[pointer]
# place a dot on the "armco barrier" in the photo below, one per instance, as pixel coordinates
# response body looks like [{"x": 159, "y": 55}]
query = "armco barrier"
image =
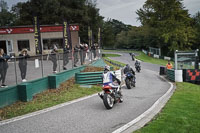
[
  {"x": 171, "y": 74},
  {"x": 156, "y": 56},
  {"x": 113, "y": 63},
  {"x": 89, "y": 78},
  {"x": 26, "y": 91},
  {"x": 8, "y": 96}
]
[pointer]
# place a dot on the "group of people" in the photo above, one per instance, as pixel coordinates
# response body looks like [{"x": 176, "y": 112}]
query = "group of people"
[
  {"x": 4, "y": 65},
  {"x": 80, "y": 50},
  {"x": 83, "y": 50}
]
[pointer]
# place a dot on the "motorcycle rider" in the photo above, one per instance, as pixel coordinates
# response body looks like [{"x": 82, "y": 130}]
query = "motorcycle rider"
[
  {"x": 137, "y": 63},
  {"x": 128, "y": 69},
  {"x": 108, "y": 79}
]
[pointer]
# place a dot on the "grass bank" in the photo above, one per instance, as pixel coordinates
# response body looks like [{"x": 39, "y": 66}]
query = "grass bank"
[
  {"x": 126, "y": 51},
  {"x": 66, "y": 92},
  {"x": 145, "y": 58},
  {"x": 181, "y": 113},
  {"x": 106, "y": 56}
]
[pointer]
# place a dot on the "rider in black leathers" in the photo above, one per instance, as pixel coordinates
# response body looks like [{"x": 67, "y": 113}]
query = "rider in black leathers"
[{"x": 128, "y": 69}]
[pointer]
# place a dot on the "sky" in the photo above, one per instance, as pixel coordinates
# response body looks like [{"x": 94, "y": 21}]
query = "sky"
[{"x": 124, "y": 10}]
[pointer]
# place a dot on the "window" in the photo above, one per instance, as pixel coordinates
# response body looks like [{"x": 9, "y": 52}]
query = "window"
[
  {"x": 49, "y": 43},
  {"x": 23, "y": 44}
]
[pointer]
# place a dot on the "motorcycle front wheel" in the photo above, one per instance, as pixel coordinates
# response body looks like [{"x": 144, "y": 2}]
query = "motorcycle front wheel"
[
  {"x": 108, "y": 101},
  {"x": 128, "y": 83}
]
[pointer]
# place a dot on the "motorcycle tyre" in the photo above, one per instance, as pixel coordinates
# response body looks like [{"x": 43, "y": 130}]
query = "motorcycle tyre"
[
  {"x": 106, "y": 102},
  {"x": 128, "y": 85}
]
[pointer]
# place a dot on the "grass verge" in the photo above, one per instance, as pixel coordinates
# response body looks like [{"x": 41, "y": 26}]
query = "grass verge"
[
  {"x": 181, "y": 113},
  {"x": 126, "y": 51},
  {"x": 66, "y": 92},
  {"x": 145, "y": 58}
]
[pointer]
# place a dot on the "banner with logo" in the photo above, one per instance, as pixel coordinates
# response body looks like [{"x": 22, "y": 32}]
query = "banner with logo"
[
  {"x": 66, "y": 35},
  {"x": 37, "y": 36}
]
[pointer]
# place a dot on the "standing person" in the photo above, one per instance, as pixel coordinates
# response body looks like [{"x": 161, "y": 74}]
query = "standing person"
[
  {"x": 85, "y": 49},
  {"x": 169, "y": 65},
  {"x": 3, "y": 67},
  {"x": 93, "y": 48},
  {"x": 66, "y": 57},
  {"x": 53, "y": 58},
  {"x": 23, "y": 64},
  {"x": 81, "y": 53},
  {"x": 76, "y": 49}
]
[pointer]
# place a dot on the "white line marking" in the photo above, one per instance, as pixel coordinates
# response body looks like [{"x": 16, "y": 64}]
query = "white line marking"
[
  {"x": 123, "y": 128},
  {"x": 44, "y": 110}
]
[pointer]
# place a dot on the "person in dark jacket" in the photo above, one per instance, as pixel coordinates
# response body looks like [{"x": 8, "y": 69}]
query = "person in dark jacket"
[
  {"x": 23, "y": 63},
  {"x": 53, "y": 58},
  {"x": 76, "y": 50},
  {"x": 3, "y": 66},
  {"x": 81, "y": 54},
  {"x": 93, "y": 49},
  {"x": 66, "y": 54},
  {"x": 128, "y": 69}
]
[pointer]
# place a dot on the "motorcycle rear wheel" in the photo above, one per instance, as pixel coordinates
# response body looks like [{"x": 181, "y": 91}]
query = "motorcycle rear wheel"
[{"x": 108, "y": 101}]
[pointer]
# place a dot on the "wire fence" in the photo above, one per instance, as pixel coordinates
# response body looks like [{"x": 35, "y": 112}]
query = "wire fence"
[{"x": 25, "y": 68}]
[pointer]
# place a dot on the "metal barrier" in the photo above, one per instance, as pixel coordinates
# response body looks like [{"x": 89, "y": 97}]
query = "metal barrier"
[
  {"x": 171, "y": 74},
  {"x": 89, "y": 78},
  {"x": 21, "y": 69},
  {"x": 113, "y": 63}
]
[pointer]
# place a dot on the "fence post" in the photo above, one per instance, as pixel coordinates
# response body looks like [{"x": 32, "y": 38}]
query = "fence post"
[
  {"x": 42, "y": 65},
  {"x": 58, "y": 55},
  {"x": 15, "y": 70}
]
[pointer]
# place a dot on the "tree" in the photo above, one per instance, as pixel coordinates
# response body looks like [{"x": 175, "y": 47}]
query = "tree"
[
  {"x": 111, "y": 29},
  {"x": 82, "y": 12},
  {"x": 196, "y": 20},
  {"x": 170, "y": 22},
  {"x": 7, "y": 18}
]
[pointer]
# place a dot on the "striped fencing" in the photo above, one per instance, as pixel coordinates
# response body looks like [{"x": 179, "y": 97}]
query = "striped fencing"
[
  {"x": 171, "y": 74},
  {"x": 89, "y": 78}
]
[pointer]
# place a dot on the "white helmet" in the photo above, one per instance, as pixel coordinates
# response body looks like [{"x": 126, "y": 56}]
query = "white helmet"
[{"x": 107, "y": 68}]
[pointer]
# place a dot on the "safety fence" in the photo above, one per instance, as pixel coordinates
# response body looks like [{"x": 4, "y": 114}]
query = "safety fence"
[
  {"x": 89, "y": 78},
  {"x": 27, "y": 68},
  {"x": 25, "y": 91},
  {"x": 170, "y": 74},
  {"x": 113, "y": 63}
]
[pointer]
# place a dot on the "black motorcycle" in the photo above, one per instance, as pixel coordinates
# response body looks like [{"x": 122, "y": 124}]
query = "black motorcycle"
[
  {"x": 138, "y": 68},
  {"x": 130, "y": 80}
]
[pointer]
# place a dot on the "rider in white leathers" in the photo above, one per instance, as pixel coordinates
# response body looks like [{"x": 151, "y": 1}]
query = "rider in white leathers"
[{"x": 108, "y": 79}]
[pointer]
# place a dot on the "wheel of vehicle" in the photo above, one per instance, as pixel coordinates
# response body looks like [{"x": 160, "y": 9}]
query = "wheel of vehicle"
[
  {"x": 128, "y": 83},
  {"x": 108, "y": 101},
  {"x": 133, "y": 83}
]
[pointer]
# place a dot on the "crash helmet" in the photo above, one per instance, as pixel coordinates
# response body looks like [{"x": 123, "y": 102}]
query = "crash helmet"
[{"x": 107, "y": 68}]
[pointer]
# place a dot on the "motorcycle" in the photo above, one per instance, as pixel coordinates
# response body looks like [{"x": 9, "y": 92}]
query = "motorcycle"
[
  {"x": 138, "y": 68},
  {"x": 110, "y": 96},
  {"x": 132, "y": 56},
  {"x": 130, "y": 80}
]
